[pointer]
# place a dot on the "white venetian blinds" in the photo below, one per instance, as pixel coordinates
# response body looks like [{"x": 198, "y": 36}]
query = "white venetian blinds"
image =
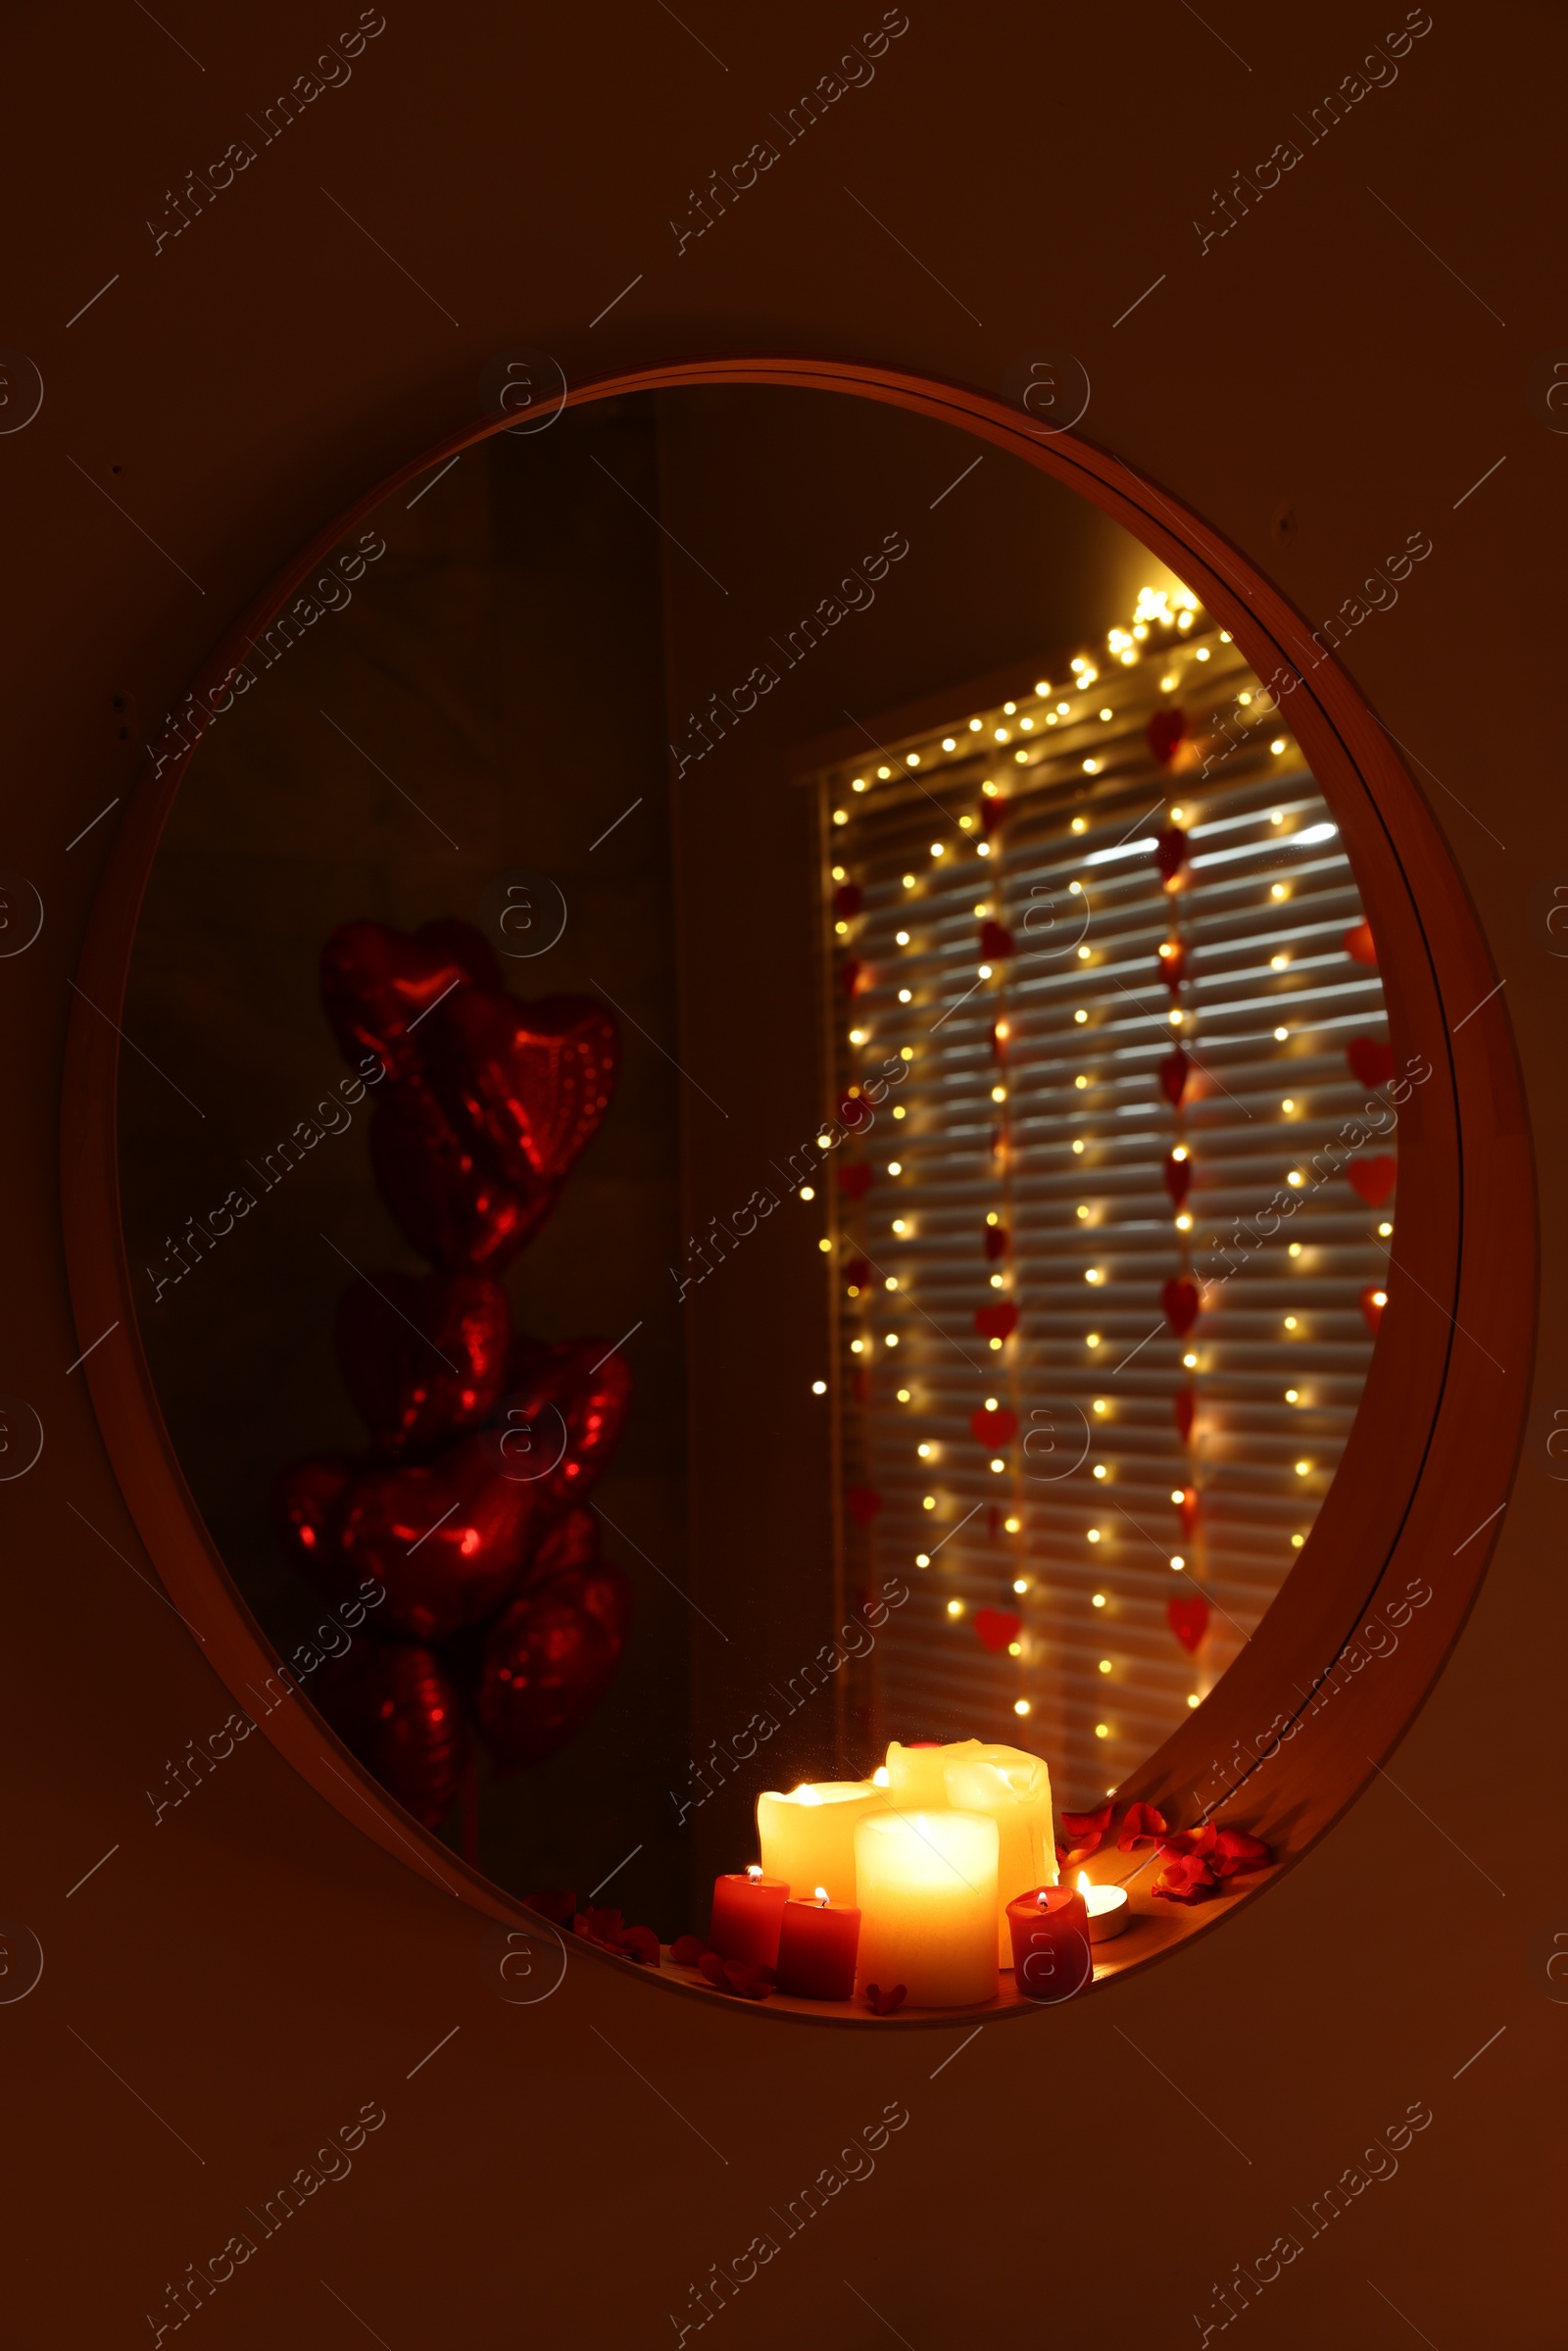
[{"x": 1044, "y": 1613}]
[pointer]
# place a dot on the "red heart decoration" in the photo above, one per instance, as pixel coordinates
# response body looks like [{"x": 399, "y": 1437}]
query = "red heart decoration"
[
  {"x": 1178, "y": 1178},
  {"x": 1166, "y": 729},
  {"x": 376, "y": 983},
  {"x": 398, "y": 1711},
  {"x": 883, "y": 2003},
  {"x": 855, "y": 1178},
  {"x": 447, "y": 1540},
  {"x": 533, "y": 1080},
  {"x": 856, "y": 1274},
  {"x": 995, "y": 1322},
  {"x": 849, "y": 973},
  {"x": 1172, "y": 850},
  {"x": 1374, "y": 1179},
  {"x": 549, "y": 1658},
  {"x": 995, "y": 941},
  {"x": 1174, "y": 1072},
  {"x": 1183, "y": 1406},
  {"x": 846, "y": 901},
  {"x": 422, "y": 1359},
  {"x": 1179, "y": 1301},
  {"x": 996, "y": 1241},
  {"x": 589, "y": 1385},
  {"x": 1189, "y": 1509},
  {"x": 992, "y": 1428},
  {"x": 1188, "y": 1619},
  {"x": 445, "y": 1192},
  {"x": 996, "y": 1628},
  {"x": 1371, "y": 1060},
  {"x": 863, "y": 1503},
  {"x": 1370, "y": 1307},
  {"x": 1359, "y": 945}
]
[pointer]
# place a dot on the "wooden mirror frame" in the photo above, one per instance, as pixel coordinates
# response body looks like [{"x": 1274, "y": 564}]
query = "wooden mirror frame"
[{"x": 1300, "y": 1721}]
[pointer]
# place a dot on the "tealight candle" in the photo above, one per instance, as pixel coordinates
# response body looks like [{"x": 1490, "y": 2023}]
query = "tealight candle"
[
  {"x": 816, "y": 1949},
  {"x": 1014, "y": 1788},
  {"x": 928, "y": 1905},
  {"x": 807, "y": 1837},
  {"x": 1051, "y": 1942},
  {"x": 1107, "y": 1908},
  {"x": 748, "y": 1909}
]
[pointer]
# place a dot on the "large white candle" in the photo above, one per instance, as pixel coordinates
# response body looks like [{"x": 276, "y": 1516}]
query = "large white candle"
[
  {"x": 807, "y": 1837},
  {"x": 919, "y": 1776},
  {"x": 1014, "y": 1789},
  {"x": 927, "y": 1890}
]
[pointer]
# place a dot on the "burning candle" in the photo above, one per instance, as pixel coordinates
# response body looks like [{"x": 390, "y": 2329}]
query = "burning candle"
[
  {"x": 807, "y": 1837},
  {"x": 747, "y": 1911},
  {"x": 816, "y": 1948},
  {"x": 928, "y": 1903},
  {"x": 1107, "y": 1908},
  {"x": 1051, "y": 1942},
  {"x": 1014, "y": 1788}
]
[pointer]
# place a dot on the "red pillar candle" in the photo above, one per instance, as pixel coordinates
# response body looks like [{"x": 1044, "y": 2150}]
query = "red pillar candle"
[
  {"x": 1051, "y": 1943},
  {"x": 817, "y": 1945},
  {"x": 746, "y": 1910}
]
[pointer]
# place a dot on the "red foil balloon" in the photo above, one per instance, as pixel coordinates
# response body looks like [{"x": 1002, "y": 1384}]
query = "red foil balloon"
[
  {"x": 398, "y": 1711},
  {"x": 377, "y": 982},
  {"x": 447, "y": 1540},
  {"x": 422, "y": 1359},
  {"x": 531, "y": 1081},
  {"x": 446, "y": 1191},
  {"x": 549, "y": 1660}
]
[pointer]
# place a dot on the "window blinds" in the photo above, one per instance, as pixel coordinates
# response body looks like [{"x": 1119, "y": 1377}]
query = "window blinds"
[{"x": 1039, "y": 1539}]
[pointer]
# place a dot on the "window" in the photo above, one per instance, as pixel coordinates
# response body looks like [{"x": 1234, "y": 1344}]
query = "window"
[{"x": 1109, "y": 1243}]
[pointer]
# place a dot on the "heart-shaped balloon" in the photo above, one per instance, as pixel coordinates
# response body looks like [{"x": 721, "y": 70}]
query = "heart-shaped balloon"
[
  {"x": 445, "y": 1189},
  {"x": 581, "y": 1387},
  {"x": 378, "y": 984},
  {"x": 1371, "y": 1060},
  {"x": 1179, "y": 1301},
  {"x": 996, "y": 1628},
  {"x": 532, "y": 1080},
  {"x": 447, "y": 1540},
  {"x": 306, "y": 1500},
  {"x": 422, "y": 1358},
  {"x": 549, "y": 1658},
  {"x": 1374, "y": 1179},
  {"x": 396, "y": 1708},
  {"x": 1188, "y": 1619}
]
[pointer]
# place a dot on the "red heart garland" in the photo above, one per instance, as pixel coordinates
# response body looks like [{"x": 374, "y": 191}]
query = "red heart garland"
[
  {"x": 995, "y": 1322},
  {"x": 1372, "y": 1302},
  {"x": 996, "y": 1241},
  {"x": 1188, "y": 1618},
  {"x": 1360, "y": 945},
  {"x": 1173, "y": 963},
  {"x": 549, "y": 1658},
  {"x": 1179, "y": 1300},
  {"x": 1371, "y": 1060},
  {"x": 1174, "y": 1072},
  {"x": 1183, "y": 1406},
  {"x": 397, "y": 1709},
  {"x": 1374, "y": 1179},
  {"x": 849, "y": 973},
  {"x": 855, "y": 1178},
  {"x": 846, "y": 901},
  {"x": 422, "y": 1359},
  {"x": 995, "y": 1628},
  {"x": 1178, "y": 1178},
  {"x": 1164, "y": 731},
  {"x": 1190, "y": 1508},
  {"x": 995, "y": 941},
  {"x": 992, "y": 1428},
  {"x": 863, "y": 1503},
  {"x": 1172, "y": 850}
]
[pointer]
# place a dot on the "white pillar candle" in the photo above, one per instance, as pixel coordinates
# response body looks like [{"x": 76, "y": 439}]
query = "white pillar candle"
[
  {"x": 1014, "y": 1789},
  {"x": 927, "y": 1891},
  {"x": 919, "y": 1776},
  {"x": 807, "y": 1837}
]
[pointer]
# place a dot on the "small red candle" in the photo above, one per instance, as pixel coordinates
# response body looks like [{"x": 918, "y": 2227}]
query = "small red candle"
[
  {"x": 1052, "y": 1957},
  {"x": 746, "y": 1910},
  {"x": 817, "y": 1945}
]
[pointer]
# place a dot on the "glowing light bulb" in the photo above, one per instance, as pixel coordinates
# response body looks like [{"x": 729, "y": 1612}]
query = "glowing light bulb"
[{"x": 819, "y": 1387}]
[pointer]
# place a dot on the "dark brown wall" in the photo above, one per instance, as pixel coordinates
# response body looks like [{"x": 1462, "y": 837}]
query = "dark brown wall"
[{"x": 228, "y": 1985}]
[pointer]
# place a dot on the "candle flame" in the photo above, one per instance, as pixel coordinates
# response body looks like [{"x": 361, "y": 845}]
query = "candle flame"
[
  {"x": 753, "y": 1869},
  {"x": 821, "y": 1896},
  {"x": 1040, "y": 1899},
  {"x": 1083, "y": 1881},
  {"x": 806, "y": 1795}
]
